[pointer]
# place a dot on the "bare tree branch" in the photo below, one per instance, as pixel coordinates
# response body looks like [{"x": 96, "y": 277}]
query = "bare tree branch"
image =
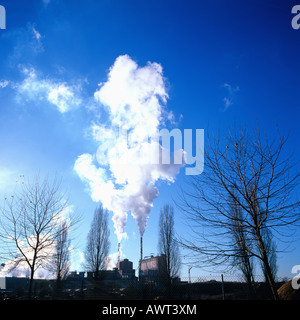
[
  {"x": 260, "y": 179},
  {"x": 30, "y": 224}
]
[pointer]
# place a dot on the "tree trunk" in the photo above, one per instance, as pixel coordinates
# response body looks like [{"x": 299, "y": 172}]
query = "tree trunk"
[
  {"x": 267, "y": 268},
  {"x": 30, "y": 284},
  {"x": 270, "y": 279}
]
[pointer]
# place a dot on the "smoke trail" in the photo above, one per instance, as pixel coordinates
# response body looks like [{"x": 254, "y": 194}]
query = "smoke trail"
[{"x": 124, "y": 179}]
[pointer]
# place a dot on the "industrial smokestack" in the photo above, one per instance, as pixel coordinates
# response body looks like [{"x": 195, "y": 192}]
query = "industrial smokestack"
[
  {"x": 141, "y": 248},
  {"x": 141, "y": 258},
  {"x": 118, "y": 263}
]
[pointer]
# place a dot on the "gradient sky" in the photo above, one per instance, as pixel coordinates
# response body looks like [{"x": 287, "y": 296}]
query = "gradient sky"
[{"x": 223, "y": 62}]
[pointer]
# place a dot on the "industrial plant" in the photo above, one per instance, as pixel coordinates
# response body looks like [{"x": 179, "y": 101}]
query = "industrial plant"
[{"x": 122, "y": 276}]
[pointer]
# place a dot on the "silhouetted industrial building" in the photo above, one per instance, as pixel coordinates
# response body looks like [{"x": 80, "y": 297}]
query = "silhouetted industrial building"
[
  {"x": 124, "y": 271},
  {"x": 13, "y": 283},
  {"x": 121, "y": 276},
  {"x": 153, "y": 269}
]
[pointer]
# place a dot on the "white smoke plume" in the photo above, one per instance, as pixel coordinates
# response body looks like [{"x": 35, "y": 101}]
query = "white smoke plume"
[
  {"x": 20, "y": 268},
  {"x": 120, "y": 174}
]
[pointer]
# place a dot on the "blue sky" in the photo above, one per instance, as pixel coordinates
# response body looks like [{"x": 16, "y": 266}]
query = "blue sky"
[{"x": 222, "y": 62}]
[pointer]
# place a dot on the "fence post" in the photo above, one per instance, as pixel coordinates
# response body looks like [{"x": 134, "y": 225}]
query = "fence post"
[
  {"x": 223, "y": 292},
  {"x": 189, "y": 270}
]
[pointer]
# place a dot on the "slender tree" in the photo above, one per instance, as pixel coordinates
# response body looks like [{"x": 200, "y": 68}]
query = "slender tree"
[
  {"x": 98, "y": 243},
  {"x": 60, "y": 262},
  {"x": 167, "y": 245}
]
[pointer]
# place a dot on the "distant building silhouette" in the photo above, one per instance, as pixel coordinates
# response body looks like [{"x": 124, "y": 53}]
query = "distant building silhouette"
[
  {"x": 12, "y": 283},
  {"x": 124, "y": 271},
  {"x": 153, "y": 269},
  {"x": 76, "y": 275},
  {"x": 122, "y": 275}
]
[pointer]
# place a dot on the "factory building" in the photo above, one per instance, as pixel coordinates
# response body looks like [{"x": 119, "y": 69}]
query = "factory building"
[
  {"x": 153, "y": 269},
  {"x": 123, "y": 271},
  {"x": 126, "y": 269}
]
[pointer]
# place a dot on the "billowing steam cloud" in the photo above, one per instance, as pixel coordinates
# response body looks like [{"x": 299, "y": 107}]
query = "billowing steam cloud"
[{"x": 121, "y": 174}]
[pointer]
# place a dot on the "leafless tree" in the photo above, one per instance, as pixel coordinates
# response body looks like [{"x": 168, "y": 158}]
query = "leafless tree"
[
  {"x": 259, "y": 177},
  {"x": 242, "y": 258},
  {"x": 167, "y": 245},
  {"x": 97, "y": 242},
  {"x": 59, "y": 264},
  {"x": 29, "y": 224}
]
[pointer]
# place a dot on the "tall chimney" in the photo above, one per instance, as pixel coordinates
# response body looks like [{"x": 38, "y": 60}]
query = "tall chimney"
[
  {"x": 118, "y": 264},
  {"x": 141, "y": 249},
  {"x": 141, "y": 258}
]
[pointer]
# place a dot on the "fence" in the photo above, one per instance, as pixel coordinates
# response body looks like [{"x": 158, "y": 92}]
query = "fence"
[{"x": 209, "y": 287}]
